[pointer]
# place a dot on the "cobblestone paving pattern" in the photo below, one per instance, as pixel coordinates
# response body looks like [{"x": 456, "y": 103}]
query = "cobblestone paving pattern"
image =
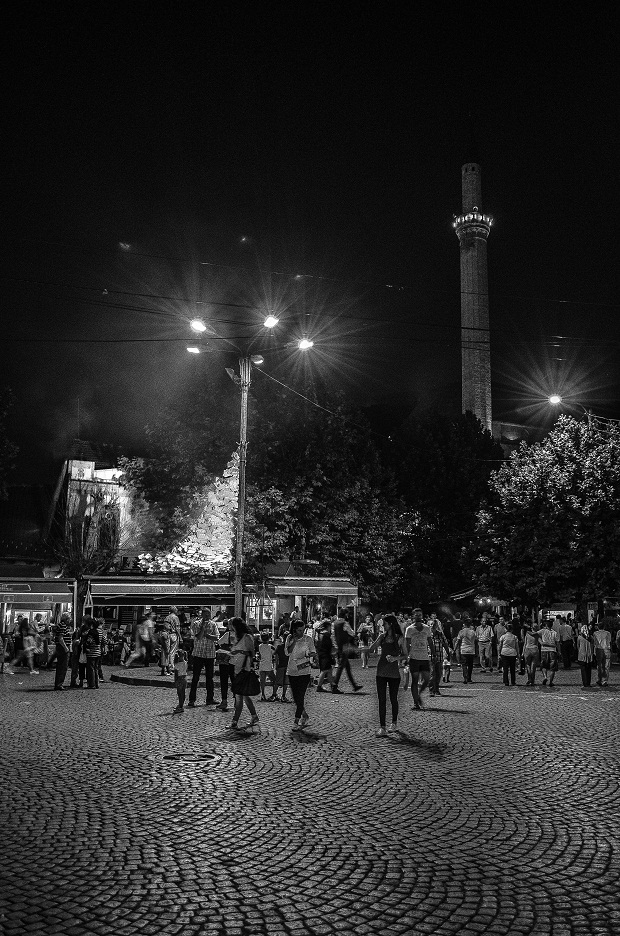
[{"x": 492, "y": 812}]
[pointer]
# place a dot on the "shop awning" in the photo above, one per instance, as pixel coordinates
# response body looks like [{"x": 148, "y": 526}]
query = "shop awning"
[
  {"x": 326, "y": 587},
  {"x": 45, "y": 591},
  {"x": 125, "y": 594}
]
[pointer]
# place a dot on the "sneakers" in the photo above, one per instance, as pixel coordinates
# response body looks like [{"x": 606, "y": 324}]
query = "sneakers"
[
  {"x": 222, "y": 707},
  {"x": 320, "y": 689},
  {"x": 233, "y": 726},
  {"x": 357, "y": 688},
  {"x": 381, "y": 733},
  {"x": 254, "y": 721},
  {"x": 34, "y": 672},
  {"x": 191, "y": 705},
  {"x": 304, "y": 721},
  {"x": 336, "y": 691},
  {"x": 393, "y": 727},
  {"x": 296, "y": 727},
  {"x": 178, "y": 709}
]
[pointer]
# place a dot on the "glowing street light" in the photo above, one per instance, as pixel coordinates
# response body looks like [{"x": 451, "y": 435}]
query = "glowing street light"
[
  {"x": 193, "y": 350},
  {"x": 555, "y": 399},
  {"x": 197, "y": 325},
  {"x": 271, "y": 321},
  {"x": 305, "y": 344}
]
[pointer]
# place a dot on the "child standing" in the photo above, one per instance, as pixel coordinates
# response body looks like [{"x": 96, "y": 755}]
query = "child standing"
[
  {"x": 447, "y": 666},
  {"x": 180, "y": 678},
  {"x": 265, "y": 666}
]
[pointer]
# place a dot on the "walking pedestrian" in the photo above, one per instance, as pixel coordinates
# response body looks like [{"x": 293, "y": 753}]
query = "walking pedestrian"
[
  {"x": 440, "y": 646},
  {"x": 465, "y": 644},
  {"x": 173, "y": 628},
  {"x": 203, "y": 655},
  {"x": 365, "y": 638},
  {"x": 484, "y": 636},
  {"x": 509, "y": 653},
  {"x": 62, "y": 639},
  {"x": 242, "y": 655},
  {"x": 92, "y": 648},
  {"x": 391, "y": 646},
  {"x": 325, "y": 649},
  {"x": 531, "y": 651},
  {"x": 144, "y": 642},
  {"x": 585, "y": 655},
  {"x": 567, "y": 644},
  {"x": 28, "y": 635},
  {"x": 281, "y": 661},
  {"x": 265, "y": 666},
  {"x": 301, "y": 651},
  {"x": 602, "y": 650},
  {"x": 549, "y": 653},
  {"x": 419, "y": 649},
  {"x": 225, "y": 663},
  {"x": 180, "y": 678},
  {"x": 343, "y": 635}
]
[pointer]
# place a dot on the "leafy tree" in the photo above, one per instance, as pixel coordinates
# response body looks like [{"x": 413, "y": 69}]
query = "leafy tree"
[
  {"x": 315, "y": 483},
  {"x": 551, "y": 530},
  {"x": 87, "y": 536},
  {"x": 443, "y": 466},
  {"x": 206, "y": 549}
]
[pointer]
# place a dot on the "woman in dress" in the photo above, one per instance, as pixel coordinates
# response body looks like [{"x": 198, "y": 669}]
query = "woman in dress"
[
  {"x": 391, "y": 646},
  {"x": 241, "y": 656},
  {"x": 301, "y": 652}
]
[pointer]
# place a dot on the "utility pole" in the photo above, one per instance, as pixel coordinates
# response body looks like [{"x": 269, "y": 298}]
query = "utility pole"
[{"x": 245, "y": 366}]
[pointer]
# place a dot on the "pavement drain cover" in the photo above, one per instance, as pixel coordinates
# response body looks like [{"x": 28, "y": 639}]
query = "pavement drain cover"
[{"x": 192, "y": 758}]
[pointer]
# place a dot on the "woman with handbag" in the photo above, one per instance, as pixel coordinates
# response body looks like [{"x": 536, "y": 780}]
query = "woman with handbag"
[
  {"x": 245, "y": 682},
  {"x": 301, "y": 651}
]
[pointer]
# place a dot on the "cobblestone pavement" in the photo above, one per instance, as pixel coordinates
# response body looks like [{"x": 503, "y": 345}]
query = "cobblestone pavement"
[{"x": 492, "y": 812}]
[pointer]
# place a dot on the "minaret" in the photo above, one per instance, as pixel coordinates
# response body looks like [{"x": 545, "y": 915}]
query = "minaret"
[{"x": 472, "y": 228}]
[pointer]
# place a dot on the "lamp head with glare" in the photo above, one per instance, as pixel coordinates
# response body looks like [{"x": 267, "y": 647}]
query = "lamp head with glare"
[
  {"x": 194, "y": 350},
  {"x": 197, "y": 325},
  {"x": 555, "y": 399},
  {"x": 271, "y": 321},
  {"x": 257, "y": 359},
  {"x": 305, "y": 344}
]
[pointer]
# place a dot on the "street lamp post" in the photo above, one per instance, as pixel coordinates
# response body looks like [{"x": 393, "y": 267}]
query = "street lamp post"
[
  {"x": 243, "y": 382},
  {"x": 245, "y": 370}
]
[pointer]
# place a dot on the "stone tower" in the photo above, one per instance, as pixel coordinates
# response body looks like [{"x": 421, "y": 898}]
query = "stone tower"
[{"x": 472, "y": 228}]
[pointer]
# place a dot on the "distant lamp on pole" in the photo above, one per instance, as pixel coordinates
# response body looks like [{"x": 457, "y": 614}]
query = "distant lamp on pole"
[{"x": 555, "y": 399}]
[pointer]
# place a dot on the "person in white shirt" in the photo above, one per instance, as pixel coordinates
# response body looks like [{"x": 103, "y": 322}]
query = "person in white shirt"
[
  {"x": 484, "y": 636},
  {"x": 419, "y": 648},
  {"x": 465, "y": 644},
  {"x": 567, "y": 644},
  {"x": 549, "y": 652},
  {"x": 301, "y": 652},
  {"x": 602, "y": 649}
]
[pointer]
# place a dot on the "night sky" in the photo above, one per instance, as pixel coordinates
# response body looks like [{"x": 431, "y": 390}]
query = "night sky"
[{"x": 169, "y": 160}]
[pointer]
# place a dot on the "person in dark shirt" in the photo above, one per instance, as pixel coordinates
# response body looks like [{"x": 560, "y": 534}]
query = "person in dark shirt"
[{"x": 281, "y": 680}]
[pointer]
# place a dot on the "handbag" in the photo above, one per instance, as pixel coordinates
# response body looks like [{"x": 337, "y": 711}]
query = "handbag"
[
  {"x": 246, "y": 683},
  {"x": 82, "y": 658}
]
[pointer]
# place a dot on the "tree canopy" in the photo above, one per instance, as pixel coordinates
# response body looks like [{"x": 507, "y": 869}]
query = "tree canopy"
[
  {"x": 443, "y": 463},
  {"x": 551, "y": 529}
]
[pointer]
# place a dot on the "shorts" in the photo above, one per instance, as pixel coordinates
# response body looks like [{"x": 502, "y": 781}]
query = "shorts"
[
  {"x": 280, "y": 675},
  {"x": 549, "y": 661},
  {"x": 420, "y": 666}
]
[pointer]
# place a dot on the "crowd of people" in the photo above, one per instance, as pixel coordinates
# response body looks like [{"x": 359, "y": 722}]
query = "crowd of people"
[{"x": 413, "y": 652}]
